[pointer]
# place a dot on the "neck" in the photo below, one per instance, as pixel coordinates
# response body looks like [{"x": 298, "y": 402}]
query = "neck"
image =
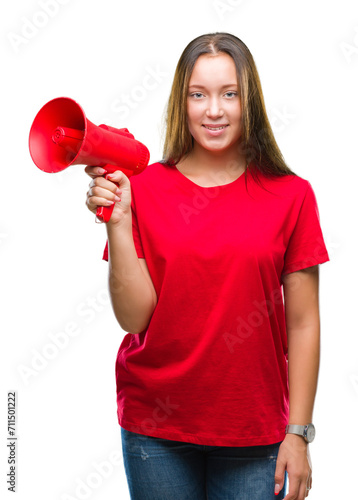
[{"x": 209, "y": 162}]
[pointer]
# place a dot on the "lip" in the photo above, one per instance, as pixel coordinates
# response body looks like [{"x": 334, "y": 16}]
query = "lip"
[{"x": 216, "y": 126}]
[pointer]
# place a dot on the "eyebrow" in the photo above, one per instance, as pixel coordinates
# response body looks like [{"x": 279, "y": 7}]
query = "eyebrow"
[{"x": 223, "y": 87}]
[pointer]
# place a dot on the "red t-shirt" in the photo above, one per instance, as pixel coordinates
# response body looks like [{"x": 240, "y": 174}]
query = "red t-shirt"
[{"x": 211, "y": 367}]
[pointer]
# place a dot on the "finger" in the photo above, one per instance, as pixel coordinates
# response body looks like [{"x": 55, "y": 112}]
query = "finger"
[
  {"x": 308, "y": 486},
  {"x": 104, "y": 192},
  {"x": 294, "y": 489},
  {"x": 117, "y": 176},
  {"x": 279, "y": 476},
  {"x": 107, "y": 199},
  {"x": 102, "y": 183},
  {"x": 94, "y": 171},
  {"x": 303, "y": 491},
  {"x": 94, "y": 202},
  {"x": 97, "y": 194}
]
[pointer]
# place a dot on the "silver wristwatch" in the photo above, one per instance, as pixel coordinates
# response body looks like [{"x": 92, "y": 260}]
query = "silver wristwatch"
[{"x": 308, "y": 432}]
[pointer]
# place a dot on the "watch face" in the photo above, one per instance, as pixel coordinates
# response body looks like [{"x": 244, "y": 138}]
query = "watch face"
[{"x": 311, "y": 432}]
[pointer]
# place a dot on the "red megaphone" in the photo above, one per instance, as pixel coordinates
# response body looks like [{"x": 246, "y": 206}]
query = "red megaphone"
[{"x": 61, "y": 136}]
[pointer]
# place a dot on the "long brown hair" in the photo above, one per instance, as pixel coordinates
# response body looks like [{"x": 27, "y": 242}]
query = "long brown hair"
[{"x": 258, "y": 144}]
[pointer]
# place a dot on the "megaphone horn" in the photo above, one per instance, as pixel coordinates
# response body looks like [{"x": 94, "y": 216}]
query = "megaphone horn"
[{"x": 61, "y": 136}]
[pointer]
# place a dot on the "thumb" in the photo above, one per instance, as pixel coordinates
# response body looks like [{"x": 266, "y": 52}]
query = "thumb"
[
  {"x": 118, "y": 176},
  {"x": 279, "y": 476}
]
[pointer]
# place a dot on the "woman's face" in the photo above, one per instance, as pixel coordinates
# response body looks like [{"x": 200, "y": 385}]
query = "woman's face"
[{"x": 213, "y": 104}]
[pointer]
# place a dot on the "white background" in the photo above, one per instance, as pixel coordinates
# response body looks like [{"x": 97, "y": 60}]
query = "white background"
[{"x": 52, "y": 276}]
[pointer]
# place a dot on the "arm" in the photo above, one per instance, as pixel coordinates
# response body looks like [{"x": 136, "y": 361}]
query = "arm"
[
  {"x": 131, "y": 289},
  {"x": 301, "y": 295},
  {"x": 303, "y": 335}
]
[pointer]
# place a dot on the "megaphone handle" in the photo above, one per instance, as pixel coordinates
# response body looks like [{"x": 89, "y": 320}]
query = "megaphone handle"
[{"x": 104, "y": 213}]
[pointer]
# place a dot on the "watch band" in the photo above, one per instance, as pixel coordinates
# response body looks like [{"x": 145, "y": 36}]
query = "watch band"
[
  {"x": 295, "y": 429},
  {"x": 306, "y": 431}
]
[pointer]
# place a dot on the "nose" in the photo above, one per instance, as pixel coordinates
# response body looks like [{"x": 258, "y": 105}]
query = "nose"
[{"x": 214, "y": 109}]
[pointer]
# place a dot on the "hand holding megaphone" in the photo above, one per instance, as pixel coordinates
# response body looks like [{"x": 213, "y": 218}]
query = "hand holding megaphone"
[
  {"x": 61, "y": 136},
  {"x": 107, "y": 190}
]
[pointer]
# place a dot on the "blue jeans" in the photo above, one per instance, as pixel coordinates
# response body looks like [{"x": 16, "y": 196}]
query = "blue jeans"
[{"x": 161, "y": 469}]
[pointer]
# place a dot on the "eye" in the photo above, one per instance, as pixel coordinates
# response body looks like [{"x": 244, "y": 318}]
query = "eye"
[
  {"x": 196, "y": 95},
  {"x": 231, "y": 94}
]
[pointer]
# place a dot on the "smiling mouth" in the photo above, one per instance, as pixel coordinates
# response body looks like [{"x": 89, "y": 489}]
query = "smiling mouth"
[{"x": 215, "y": 127}]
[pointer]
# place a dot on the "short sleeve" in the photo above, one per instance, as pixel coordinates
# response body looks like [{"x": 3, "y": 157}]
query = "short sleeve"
[
  {"x": 306, "y": 246},
  {"x": 136, "y": 237}
]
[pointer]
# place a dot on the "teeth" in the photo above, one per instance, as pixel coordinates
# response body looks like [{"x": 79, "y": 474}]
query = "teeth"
[{"x": 215, "y": 128}]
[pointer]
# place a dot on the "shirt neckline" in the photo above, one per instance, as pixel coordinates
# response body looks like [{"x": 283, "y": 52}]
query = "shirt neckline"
[{"x": 191, "y": 183}]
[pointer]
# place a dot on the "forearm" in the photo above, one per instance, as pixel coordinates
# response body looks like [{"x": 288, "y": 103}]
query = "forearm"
[
  {"x": 133, "y": 297},
  {"x": 303, "y": 368}
]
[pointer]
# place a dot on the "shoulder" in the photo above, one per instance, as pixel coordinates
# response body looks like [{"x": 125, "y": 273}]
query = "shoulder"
[
  {"x": 290, "y": 181},
  {"x": 292, "y": 186}
]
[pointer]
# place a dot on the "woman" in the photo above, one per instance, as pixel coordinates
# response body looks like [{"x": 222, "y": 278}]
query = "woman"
[{"x": 200, "y": 246}]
